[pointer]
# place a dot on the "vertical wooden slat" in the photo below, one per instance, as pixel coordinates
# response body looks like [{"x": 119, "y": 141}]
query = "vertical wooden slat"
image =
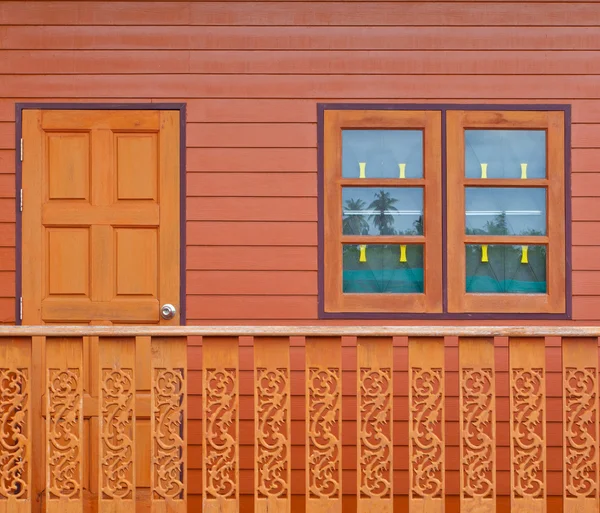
[
  {"x": 143, "y": 385},
  {"x": 580, "y": 424},
  {"x": 220, "y": 423},
  {"x": 477, "y": 410},
  {"x": 64, "y": 425},
  {"x": 168, "y": 423},
  {"x": 15, "y": 412},
  {"x": 528, "y": 425},
  {"x": 116, "y": 425},
  {"x": 375, "y": 427},
  {"x": 272, "y": 462},
  {"x": 426, "y": 425},
  {"x": 324, "y": 425}
]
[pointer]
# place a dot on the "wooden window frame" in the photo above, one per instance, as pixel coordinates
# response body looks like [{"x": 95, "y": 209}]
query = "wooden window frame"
[
  {"x": 451, "y": 302},
  {"x": 430, "y": 123},
  {"x": 459, "y": 301}
]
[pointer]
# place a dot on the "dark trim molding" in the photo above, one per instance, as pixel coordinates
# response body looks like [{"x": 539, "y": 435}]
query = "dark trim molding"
[
  {"x": 443, "y": 108},
  {"x": 181, "y": 107}
]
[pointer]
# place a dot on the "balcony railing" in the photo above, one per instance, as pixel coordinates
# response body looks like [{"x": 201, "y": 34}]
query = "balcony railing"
[{"x": 299, "y": 418}]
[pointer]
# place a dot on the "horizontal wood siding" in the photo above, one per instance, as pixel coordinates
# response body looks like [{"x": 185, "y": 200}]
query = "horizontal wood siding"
[{"x": 251, "y": 74}]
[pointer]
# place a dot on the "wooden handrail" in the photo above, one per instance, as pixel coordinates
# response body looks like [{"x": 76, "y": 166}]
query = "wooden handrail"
[{"x": 313, "y": 331}]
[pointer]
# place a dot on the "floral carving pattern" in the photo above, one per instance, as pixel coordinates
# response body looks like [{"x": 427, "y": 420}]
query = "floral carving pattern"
[
  {"x": 426, "y": 432},
  {"x": 477, "y": 432},
  {"x": 581, "y": 408},
  {"x": 117, "y": 396},
  {"x": 527, "y": 432},
  {"x": 64, "y": 433},
  {"x": 324, "y": 417},
  {"x": 375, "y": 455},
  {"x": 271, "y": 432},
  {"x": 168, "y": 398},
  {"x": 220, "y": 414},
  {"x": 14, "y": 413}
]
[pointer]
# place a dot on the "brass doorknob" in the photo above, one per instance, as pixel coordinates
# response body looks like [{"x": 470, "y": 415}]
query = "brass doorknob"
[{"x": 167, "y": 311}]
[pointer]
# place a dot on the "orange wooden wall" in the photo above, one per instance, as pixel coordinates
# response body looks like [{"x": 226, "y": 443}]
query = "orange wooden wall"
[{"x": 251, "y": 74}]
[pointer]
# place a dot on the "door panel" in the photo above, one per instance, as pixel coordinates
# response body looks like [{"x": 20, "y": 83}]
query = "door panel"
[{"x": 101, "y": 245}]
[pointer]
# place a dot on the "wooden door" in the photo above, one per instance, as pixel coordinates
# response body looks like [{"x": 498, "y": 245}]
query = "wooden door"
[{"x": 100, "y": 243}]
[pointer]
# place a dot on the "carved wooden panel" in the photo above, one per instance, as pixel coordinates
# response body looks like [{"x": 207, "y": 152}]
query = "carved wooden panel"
[
  {"x": 220, "y": 421},
  {"x": 324, "y": 424},
  {"x": 580, "y": 425},
  {"x": 64, "y": 425},
  {"x": 528, "y": 425},
  {"x": 375, "y": 425},
  {"x": 168, "y": 406},
  {"x": 426, "y": 424},
  {"x": 116, "y": 425},
  {"x": 15, "y": 425},
  {"x": 272, "y": 467},
  {"x": 477, "y": 426}
]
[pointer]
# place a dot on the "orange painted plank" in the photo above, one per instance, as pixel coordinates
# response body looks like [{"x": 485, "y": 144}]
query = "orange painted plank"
[
  {"x": 585, "y": 209},
  {"x": 7, "y": 134},
  {"x": 243, "y": 160},
  {"x": 241, "y": 233},
  {"x": 241, "y": 110},
  {"x": 299, "y": 37},
  {"x": 7, "y": 284},
  {"x": 586, "y": 258},
  {"x": 7, "y": 210},
  {"x": 250, "y": 209},
  {"x": 301, "y": 13},
  {"x": 7, "y": 234},
  {"x": 532, "y": 87},
  {"x": 244, "y": 233},
  {"x": 586, "y": 283},
  {"x": 585, "y": 135},
  {"x": 251, "y": 258},
  {"x": 7, "y": 161},
  {"x": 585, "y": 160},
  {"x": 244, "y": 282},
  {"x": 586, "y": 308},
  {"x": 252, "y": 307},
  {"x": 585, "y": 184},
  {"x": 247, "y": 184},
  {"x": 249, "y": 135},
  {"x": 7, "y": 185},
  {"x": 303, "y": 111},
  {"x": 7, "y": 259},
  {"x": 355, "y": 61}
]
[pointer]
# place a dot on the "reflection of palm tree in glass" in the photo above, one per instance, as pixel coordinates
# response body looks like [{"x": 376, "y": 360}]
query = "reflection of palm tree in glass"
[
  {"x": 355, "y": 224},
  {"x": 383, "y": 203}
]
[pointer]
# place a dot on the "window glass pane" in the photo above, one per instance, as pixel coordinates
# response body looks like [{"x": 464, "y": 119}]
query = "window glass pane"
[
  {"x": 382, "y": 153},
  {"x": 382, "y": 268},
  {"x": 382, "y": 211},
  {"x": 505, "y": 211},
  {"x": 505, "y": 153},
  {"x": 508, "y": 269}
]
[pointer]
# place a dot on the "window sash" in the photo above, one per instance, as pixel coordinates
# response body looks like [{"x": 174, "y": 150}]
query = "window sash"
[
  {"x": 334, "y": 299},
  {"x": 459, "y": 301}
]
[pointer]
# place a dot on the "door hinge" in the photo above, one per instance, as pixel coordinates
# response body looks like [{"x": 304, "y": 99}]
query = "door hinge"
[
  {"x": 21, "y": 202},
  {"x": 21, "y": 149},
  {"x": 21, "y": 308}
]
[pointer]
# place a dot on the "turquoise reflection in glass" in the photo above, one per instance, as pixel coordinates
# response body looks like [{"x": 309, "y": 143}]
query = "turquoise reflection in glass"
[
  {"x": 508, "y": 270},
  {"x": 382, "y": 211},
  {"x": 505, "y": 211},
  {"x": 503, "y": 152},
  {"x": 380, "y": 153},
  {"x": 382, "y": 268}
]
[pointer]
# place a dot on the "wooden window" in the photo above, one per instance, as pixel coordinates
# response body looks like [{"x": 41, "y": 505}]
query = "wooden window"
[
  {"x": 382, "y": 206},
  {"x": 482, "y": 234},
  {"x": 506, "y": 212}
]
